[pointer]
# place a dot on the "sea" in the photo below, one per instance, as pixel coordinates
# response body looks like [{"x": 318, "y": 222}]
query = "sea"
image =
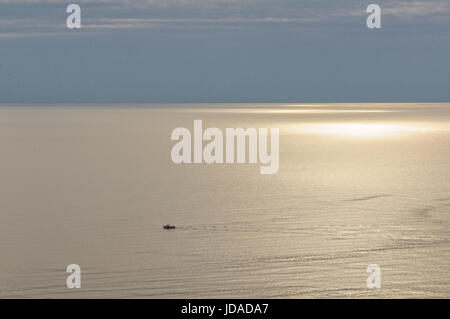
[{"x": 358, "y": 184}]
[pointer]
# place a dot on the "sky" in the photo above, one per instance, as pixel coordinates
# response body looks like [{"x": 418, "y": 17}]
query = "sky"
[{"x": 184, "y": 51}]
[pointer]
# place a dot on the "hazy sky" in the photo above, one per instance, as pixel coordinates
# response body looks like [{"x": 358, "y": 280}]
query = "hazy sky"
[{"x": 224, "y": 51}]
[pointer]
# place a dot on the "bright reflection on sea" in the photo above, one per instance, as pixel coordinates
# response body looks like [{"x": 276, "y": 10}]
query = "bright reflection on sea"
[
  {"x": 361, "y": 130},
  {"x": 286, "y": 111}
]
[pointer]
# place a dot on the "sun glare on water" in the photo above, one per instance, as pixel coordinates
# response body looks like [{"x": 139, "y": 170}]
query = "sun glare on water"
[{"x": 357, "y": 130}]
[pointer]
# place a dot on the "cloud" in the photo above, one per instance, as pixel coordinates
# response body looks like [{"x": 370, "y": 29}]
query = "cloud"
[{"x": 40, "y": 16}]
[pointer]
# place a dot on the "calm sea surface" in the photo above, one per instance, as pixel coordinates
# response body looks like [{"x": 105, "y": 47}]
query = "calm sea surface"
[{"x": 358, "y": 184}]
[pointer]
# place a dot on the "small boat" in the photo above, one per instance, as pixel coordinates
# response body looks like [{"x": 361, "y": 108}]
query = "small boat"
[{"x": 169, "y": 226}]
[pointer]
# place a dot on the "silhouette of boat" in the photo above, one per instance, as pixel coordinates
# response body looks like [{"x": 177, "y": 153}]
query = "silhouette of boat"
[{"x": 169, "y": 226}]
